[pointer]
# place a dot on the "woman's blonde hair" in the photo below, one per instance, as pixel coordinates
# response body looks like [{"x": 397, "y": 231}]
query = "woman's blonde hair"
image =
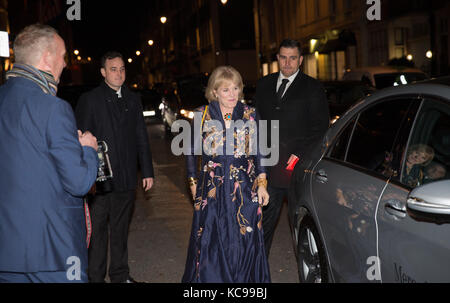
[
  {"x": 219, "y": 76},
  {"x": 422, "y": 148}
]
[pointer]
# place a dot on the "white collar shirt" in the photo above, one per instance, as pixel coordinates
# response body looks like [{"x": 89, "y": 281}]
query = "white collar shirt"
[
  {"x": 291, "y": 79},
  {"x": 119, "y": 93}
]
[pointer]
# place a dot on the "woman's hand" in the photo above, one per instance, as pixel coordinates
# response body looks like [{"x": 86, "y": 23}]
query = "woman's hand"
[
  {"x": 193, "y": 191},
  {"x": 263, "y": 196}
]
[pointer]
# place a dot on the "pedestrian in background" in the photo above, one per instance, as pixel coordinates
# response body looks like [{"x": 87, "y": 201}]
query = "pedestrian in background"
[
  {"x": 227, "y": 243},
  {"x": 46, "y": 167},
  {"x": 299, "y": 103},
  {"x": 114, "y": 114}
]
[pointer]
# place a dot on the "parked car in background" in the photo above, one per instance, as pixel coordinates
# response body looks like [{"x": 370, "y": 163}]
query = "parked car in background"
[
  {"x": 371, "y": 202},
  {"x": 385, "y": 76},
  {"x": 186, "y": 94},
  {"x": 343, "y": 94},
  {"x": 169, "y": 107},
  {"x": 151, "y": 100}
]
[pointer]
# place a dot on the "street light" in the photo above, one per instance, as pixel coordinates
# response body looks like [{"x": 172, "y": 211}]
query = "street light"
[
  {"x": 150, "y": 42},
  {"x": 224, "y": 1},
  {"x": 409, "y": 57},
  {"x": 138, "y": 53},
  {"x": 76, "y": 52},
  {"x": 130, "y": 60},
  {"x": 429, "y": 54},
  {"x": 163, "y": 19}
]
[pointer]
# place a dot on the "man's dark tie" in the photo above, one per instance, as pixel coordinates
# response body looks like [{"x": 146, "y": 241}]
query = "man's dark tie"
[{"x": 281, "y": 91}]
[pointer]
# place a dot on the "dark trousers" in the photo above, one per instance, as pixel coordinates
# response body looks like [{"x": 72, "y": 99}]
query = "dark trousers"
[
  {"x": 114, "y": 209},
  {"x": 271, "y": 214}
]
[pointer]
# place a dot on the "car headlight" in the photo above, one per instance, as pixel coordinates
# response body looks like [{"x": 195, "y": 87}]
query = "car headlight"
[
  {"x": 187, "y": 114},
  {"x": 150, "y": 113},
  {"x": 335, "y": 118}
]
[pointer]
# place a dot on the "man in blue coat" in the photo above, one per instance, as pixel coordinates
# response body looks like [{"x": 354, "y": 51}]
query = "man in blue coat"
[{"x": 46, "y": 168}]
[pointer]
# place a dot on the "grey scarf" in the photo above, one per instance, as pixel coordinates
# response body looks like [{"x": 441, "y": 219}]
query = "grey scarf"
[{"x": 45, "y": 80}]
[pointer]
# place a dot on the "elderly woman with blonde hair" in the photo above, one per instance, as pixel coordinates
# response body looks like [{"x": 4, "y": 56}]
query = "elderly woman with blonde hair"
[{"x": 229, "y": 191}]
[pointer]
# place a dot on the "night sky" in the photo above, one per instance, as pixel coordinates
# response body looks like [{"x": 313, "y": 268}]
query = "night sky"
[{"x": 109, "y": 25}]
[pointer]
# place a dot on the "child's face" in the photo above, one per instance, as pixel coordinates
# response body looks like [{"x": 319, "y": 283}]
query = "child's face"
[{"x": 416, "y": 157}]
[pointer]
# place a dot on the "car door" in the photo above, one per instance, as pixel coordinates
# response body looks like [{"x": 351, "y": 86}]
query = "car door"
[
  {"x": 347, "y": 183},
  {"x": 413, "y": 248}
]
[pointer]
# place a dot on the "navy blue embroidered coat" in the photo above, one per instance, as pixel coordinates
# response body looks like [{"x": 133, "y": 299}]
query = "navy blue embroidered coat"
[{"x": 227, "y": 243}]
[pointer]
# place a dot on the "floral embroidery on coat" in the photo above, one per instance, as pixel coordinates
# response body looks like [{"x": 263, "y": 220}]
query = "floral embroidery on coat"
[
  {"x": 227, "y": 221},
  {"x": 214, "y": 139}
]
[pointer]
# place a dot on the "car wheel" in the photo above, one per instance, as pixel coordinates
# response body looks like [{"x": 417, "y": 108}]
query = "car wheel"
[{"x": 312, "y": 266}]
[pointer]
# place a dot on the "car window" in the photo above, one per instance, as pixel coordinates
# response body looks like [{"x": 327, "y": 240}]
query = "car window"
[
  {"x": 339, "y": 147},
  {"x": 392, "y": 162},
  {"x": 427, "y": 158},
  {"x": 375, "y": 132}
]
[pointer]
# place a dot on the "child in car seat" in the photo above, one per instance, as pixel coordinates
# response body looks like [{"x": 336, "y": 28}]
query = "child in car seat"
[{"x": 417, "y": 157}]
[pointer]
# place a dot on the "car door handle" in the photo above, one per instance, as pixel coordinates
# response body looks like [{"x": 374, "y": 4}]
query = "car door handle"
[
  {"x": 396, "y": 209},
  {"x": 321, "y": 176}
]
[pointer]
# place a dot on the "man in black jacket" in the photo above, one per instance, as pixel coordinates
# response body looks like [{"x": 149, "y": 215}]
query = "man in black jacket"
[
  {"x": 114, "y": 114},
  {"x": 299, "y": 103}
]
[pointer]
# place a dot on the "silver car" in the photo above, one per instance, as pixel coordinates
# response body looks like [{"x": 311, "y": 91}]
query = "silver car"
[{"x": 371, "y": 203}]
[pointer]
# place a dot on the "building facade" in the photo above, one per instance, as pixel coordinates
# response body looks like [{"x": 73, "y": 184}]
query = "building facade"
[
  {"x": 198, "y": 36},
  {"x": 338, "y": 35},
  {"x": 328, "y": 31}
]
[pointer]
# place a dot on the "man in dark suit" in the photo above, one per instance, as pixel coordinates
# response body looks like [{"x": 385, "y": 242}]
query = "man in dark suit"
[
  {"x": 299, "y": 103},
  {"x": 114, "y": 114},
  {"x": 46, "y": 167}
]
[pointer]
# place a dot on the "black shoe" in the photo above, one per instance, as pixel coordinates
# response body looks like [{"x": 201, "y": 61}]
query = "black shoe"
[{"x": 130, "y": 280}]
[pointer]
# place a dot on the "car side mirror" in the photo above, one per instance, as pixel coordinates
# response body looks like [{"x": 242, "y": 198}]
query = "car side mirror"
[{"x": 430, "y": 202}]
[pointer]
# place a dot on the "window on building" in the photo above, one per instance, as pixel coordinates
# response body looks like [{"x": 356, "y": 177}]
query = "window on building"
[
  {"x": 265, "y": 69},
  {"x": 399, "y": 36},
  {"x": 301, "y": 12},
  {"x": 332, "y": 4},
  {"x": 274, "y": 67},
  {"x": 399, "y": 52},
  {"x": 378, "y": 47},
  {"x": 443, "y": 25},
  {"x": 317, "y": 9},
  {"x": 347, "y": 5}
]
